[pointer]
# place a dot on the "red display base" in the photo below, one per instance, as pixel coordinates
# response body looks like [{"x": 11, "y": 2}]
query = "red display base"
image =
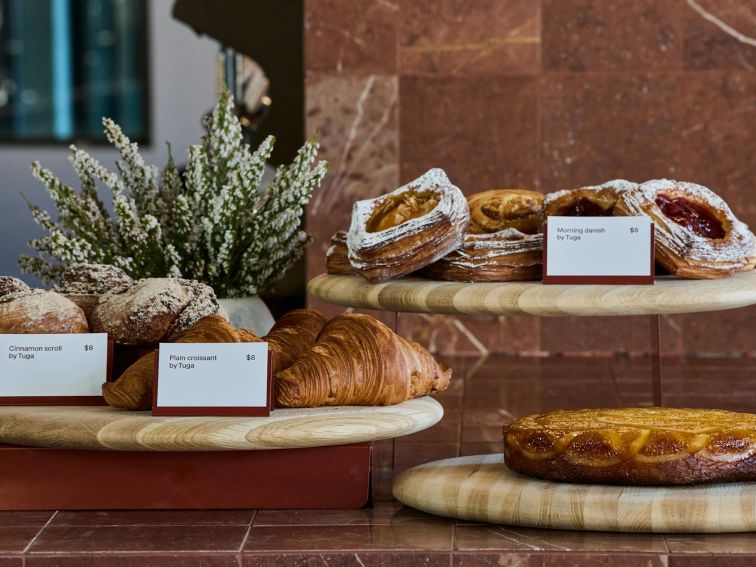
[{"x": 60, "y": 479}]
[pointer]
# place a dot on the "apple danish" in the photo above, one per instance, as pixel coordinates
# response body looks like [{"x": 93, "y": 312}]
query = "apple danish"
[
  {"x": 634, "y": 446},
  {"x": 407, "y": 229},
  {"x": 337, "y": 255},
  {"x": 591, "y": 201},
  {"x": 359, "y": 361},
  {"x": 503, "y": 242},
  {"x": 696, "y": 233}
]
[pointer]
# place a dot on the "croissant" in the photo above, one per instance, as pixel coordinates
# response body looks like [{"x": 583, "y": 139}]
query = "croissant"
[
  {"x": 357, "y": 360},
  {"x": 133, "y": 390},
  {"x": 293, "y": 335}
]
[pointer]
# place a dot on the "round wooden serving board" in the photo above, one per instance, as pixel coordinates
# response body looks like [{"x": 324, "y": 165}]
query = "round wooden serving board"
[
  {"x": 108, "y": 428},
  {"x": 667, "y": 295},
  {"x": 482, "y": 488}
]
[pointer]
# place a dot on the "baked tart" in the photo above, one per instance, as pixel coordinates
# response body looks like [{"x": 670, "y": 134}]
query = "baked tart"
[
  {"x": 591, "y": 201},
  {"x": 337, "y": 255},
  {"x": 407, "y": 229},
  {"x": 634, "y": 446},
  {"x": 503, "y": 242},
  {"x": 697, "y": 235}
]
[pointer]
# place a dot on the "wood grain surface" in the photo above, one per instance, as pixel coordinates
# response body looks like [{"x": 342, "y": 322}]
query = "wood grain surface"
[
  {"x": 108, "y": 428},
  {"x": 667, "y": 295},
  {"x": 482, "y": 488}
]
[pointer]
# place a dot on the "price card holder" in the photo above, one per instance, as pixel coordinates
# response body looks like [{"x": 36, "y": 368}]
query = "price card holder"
[
  {"x": 53, "y": 369},
  {"x": 213, "y": 379},
  {"x": 598, "y": 250}
]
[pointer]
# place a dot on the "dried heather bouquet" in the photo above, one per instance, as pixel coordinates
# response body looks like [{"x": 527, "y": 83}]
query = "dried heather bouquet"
[{"x": 214, "y": 224}]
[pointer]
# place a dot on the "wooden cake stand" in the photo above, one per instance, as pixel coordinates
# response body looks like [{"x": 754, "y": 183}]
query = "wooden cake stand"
[
  {"x": 482, "y": 488},
  {"x": 102, "y": 458}
]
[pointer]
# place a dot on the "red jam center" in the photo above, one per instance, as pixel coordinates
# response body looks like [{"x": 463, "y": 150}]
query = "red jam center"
[
  {"x": 696, "y": 218},
  {"x": 584, "y": 208}
]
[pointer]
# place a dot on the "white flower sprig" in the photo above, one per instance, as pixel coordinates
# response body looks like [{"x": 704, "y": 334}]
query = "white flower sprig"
[{"x": 215, "y": 224}]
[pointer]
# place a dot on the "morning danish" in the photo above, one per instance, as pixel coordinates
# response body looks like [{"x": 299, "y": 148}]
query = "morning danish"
[
  {"x": 591, "y": 201},
  {"x": 503, "y": 242},
  {"x": 25, "y": 310},
  {"x": 407, "y": 229},
  {"x": 499, "y": 209},
  {"x": 696, "y": 233},
  {"x": 359, "y": 361},
  {"x": 634, "y": 446},
  {"x": 337, "y": 256}
]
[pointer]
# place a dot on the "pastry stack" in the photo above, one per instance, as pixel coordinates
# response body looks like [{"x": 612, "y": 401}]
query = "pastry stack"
[{"x": 428, "y": 228}]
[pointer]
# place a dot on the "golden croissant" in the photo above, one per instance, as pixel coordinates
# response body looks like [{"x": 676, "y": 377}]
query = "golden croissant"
[
  {"x": 293, "y": 335},
  {"x": 357, "y": 360},
  {"x": 133, "y": 390}
]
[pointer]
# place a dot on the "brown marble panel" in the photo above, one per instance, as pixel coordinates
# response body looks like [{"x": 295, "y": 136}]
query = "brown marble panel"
[
  {"x": 705, "y": 544},
  {"x": 595, "y": 35},
  {"x": 406, "y": 536},
  {"x": 355, "y": 36},
  {"x": 361, "y": 559},
  {"x": 711, "y": 561},
  {"x": 600, "y": 127},
  {"x": 559, "y": 560},
  {"x": 484, "y": 135},
  {"x": 154, "y": 560},
  {"x": 459, "y": 37},
  {"x": 504, "y": 538},
  {"x": 714, "y": 34},
  {"x": 586, "y": 335}
]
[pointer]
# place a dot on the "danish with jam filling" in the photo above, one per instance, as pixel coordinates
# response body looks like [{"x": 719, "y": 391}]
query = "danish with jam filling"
[
  {"x": 591, "y": 201},
  {"x": 407, "y": 229},
  {"x": 697, "y": 235}
]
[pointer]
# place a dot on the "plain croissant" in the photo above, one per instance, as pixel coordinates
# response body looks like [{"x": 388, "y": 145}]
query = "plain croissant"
[
  {"x": 357, "y": 360},
  {"x": 293, "y": 335},
  {"x": 133, "y": 390}
]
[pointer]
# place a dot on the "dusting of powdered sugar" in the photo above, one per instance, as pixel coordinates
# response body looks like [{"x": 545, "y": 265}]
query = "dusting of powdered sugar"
[
  {"x": 128, "y": 313},
  {"x": 337, "y": 240},
  {"x": 452, "y": 205},
  {"x": 482, "y": 250},
  {"x": 12, "y": 287},
  {"x": 737, "y": 245},
  {"x": 620, "y": 186},
  {"x": 92, "y": 279}
]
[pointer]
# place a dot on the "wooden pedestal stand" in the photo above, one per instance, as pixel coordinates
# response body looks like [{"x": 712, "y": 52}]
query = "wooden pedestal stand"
[
  {"x": 99, "y": 458},
  {"x": 481, "y": 488}
]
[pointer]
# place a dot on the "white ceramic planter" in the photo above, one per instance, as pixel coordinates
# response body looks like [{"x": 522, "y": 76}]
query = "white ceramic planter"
[{"x": 249, "y": 313}]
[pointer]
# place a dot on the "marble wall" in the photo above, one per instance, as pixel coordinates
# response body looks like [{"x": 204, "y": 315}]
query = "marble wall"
[{"x": 547, "y": 94}]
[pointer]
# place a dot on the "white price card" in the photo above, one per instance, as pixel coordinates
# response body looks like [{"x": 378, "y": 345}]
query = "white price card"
[
  {"x": 212, "y": 379},
  {"x": 60, "y": 369},
  {"x": 598, "y": 250}
]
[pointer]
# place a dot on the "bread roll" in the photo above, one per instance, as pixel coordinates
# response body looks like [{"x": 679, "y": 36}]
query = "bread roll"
[
  {"x": 85, "y": 283},
  {"x": 24, "y": 310},
  {"x": 153, "y": 309}
]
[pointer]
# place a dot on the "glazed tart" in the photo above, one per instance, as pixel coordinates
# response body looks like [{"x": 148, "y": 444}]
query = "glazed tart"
[
  {"x": 591, "y": 201},
  {"x": 407, "y": 229},
  {"x": 337, "y": 255},
  {"x": 634, "y": 446},
  {"x": 697, "y": 235}
]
